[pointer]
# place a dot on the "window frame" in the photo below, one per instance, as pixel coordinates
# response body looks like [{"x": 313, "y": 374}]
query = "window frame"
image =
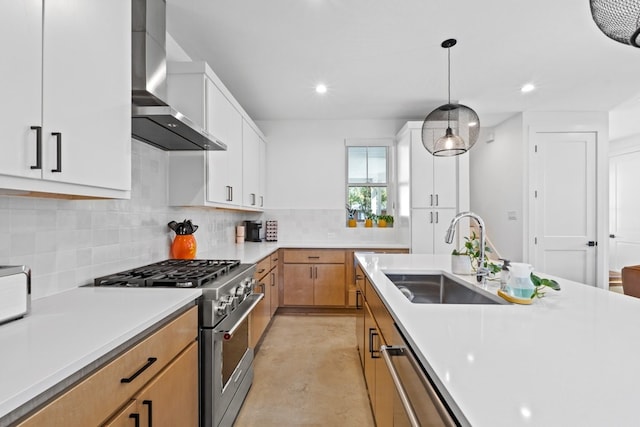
[{"x": 389, "y": 144}]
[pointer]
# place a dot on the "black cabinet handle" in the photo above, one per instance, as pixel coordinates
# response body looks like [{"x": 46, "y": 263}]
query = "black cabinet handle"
[
  {"x": 38, "y": 130},
  {"x": 149, "y": 411},
  {"x": 273, "y": 279},
  {"x": 253, "y": 199},
  {"x": 358, "y": 295},
  {"x": 136, "y": 419},
  {"x": 373, "y": 352},
  {"x": 261, "y": 201},
  {"x": 150, "y": 361},
  {"x": 58, "y": 136},
  {"x": 592, "y": 243}
]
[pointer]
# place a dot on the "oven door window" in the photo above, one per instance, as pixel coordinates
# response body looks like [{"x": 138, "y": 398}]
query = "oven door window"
[{"x": 233, "y": 350}]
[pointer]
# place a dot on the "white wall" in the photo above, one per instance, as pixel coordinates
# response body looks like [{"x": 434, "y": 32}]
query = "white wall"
[
  {"x": 496, "y": 176},
  {"x": 306, "y": 178}
]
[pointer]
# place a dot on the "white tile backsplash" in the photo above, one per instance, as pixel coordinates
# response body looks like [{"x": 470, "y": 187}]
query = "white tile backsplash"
[{"x": 67, "y": 243}]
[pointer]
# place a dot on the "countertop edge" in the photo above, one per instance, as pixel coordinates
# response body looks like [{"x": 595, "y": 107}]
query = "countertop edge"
[{"x": 25, "y": 401}]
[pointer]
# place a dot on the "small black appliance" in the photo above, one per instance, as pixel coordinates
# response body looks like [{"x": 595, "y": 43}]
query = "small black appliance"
[{"x": 252, "y": 231}]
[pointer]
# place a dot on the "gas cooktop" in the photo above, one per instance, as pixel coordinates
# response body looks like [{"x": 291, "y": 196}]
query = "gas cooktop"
[{"x": 179, "y": 273}]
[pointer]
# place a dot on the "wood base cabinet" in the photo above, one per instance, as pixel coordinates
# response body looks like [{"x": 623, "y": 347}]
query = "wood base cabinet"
[
  {"x": 157, "y": 378},
  {"x": 267, "y": 283},
  {"x": 314, "y": 277},
  {"x": 170, "y": 399}
]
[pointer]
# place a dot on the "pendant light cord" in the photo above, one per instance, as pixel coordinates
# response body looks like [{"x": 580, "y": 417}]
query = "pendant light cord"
[{"x": 449, "y": 74}]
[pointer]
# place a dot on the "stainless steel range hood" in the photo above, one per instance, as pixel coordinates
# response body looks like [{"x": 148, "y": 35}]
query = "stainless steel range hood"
[{"x": 152, "y": 120}]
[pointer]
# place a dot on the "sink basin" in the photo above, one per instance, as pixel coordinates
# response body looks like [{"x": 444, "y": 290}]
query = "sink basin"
[{"x": 440, "y": 289}]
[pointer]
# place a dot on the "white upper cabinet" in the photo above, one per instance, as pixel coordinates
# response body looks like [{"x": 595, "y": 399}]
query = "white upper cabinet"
[
  {"x": 251, "y": 166},
  {"x": 437, "y": 176},
  {"x": 212, "y": 178},
  {"x": 263, "y": 174},
  {"x": 67, "y": 97}
]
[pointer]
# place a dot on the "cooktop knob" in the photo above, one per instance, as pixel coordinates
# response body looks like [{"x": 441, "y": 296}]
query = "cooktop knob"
[{"x": 222, "y": 308}]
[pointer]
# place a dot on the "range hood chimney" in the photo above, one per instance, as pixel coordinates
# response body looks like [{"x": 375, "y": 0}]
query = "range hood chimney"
[{"x": 152, "y": 120}]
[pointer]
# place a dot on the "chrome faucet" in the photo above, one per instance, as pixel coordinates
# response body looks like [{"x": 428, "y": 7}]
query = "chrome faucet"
[{"x": 481, "y": 271}]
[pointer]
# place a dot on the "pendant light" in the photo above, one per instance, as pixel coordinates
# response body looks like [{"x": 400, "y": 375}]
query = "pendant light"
[
  {"x": 462, "y": 123},
  {"x": 618, "y": 19}
]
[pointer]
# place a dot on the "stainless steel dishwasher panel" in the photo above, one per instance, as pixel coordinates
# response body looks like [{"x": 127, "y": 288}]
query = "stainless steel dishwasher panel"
[{"x": 416, "y": 403}]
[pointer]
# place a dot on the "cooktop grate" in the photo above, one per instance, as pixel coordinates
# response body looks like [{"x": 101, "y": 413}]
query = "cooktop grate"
[{"x": 180, "y": 273}]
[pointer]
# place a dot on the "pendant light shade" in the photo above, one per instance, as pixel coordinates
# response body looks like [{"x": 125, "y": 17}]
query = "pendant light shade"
[
  {"x": 618, "y": 19},
  {"x": 450, "y": 129}
]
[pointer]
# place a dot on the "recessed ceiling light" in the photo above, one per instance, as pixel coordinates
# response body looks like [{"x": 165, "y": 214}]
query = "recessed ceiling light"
[
  {"x": 321, "y": 88},
  {"x": 529, "y": 87}
]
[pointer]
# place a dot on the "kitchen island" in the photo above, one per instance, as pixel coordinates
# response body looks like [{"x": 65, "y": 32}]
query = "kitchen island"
[{"x": 569, "y": 359}]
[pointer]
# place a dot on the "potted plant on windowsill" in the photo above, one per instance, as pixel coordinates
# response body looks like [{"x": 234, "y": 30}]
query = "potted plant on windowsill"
[
  {"x": 465, "y": 260},
  {"x": 351, "y": 221},
  {"x": 385, "y": 221},
  {"x": 370, "y": 217}
]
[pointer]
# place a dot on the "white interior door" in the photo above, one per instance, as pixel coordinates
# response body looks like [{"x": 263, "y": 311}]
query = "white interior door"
[
  {"x": 564, "y": 173},
  {"x": 624, "y": 175}
]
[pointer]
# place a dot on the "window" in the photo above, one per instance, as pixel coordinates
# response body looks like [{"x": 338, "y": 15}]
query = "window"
[{"x": 368, "y": 178}]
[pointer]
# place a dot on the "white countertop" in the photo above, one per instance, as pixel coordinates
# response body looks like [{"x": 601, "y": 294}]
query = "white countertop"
[
  {"x": 569, "y": 359},
  {"x": 251, "y": 252},
  {"x": 66, "y": 332}
]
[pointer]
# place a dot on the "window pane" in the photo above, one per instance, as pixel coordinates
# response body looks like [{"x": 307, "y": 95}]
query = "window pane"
[
  {"x": 368, "y": 199},
  {"x": 357, "y": 162},
  {"x": 377, "y": 165}
]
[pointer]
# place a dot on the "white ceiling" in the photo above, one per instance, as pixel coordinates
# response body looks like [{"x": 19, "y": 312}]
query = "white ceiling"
[{"x": 381, "y": 59}]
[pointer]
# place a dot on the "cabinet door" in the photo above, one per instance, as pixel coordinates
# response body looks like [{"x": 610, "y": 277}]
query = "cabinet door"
[
  {"x": 421, "y": 173},
  {"x": 250, "y": 166},
  {"x": 329, "y": 284},
  {"x": 263, "y": 174},
  {"x": 360, "y": 331},
  {"x": 20, "y": 85},
  {"x": 129, "y": 416},
  {"x": 261, "y": 314},
  {"x": 298, "y": 284},
  {"x": 445, "y": 182},
  {"x": 422, "y": 234},
  {"x": 87, "y": 92},
  {"x": 275, "y": 291},
  {"x": 171, "y": 398},
  {"x": 224, "y": 181},
  {"x": 443, "y": 218},
  {"x": 371, "y": 338}
]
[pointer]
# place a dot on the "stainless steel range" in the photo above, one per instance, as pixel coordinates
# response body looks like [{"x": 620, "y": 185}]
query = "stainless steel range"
[{"x": 228, "y": 297}]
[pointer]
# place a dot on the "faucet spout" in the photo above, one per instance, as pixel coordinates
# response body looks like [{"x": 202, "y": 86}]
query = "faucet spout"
[{"x": 481, "y": 271}]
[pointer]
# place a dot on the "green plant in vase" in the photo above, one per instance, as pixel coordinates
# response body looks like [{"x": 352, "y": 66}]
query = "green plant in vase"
[
  {"x": 471, "y": 249},
  {"x": 369, "y": 218},
  {"x": 385, "y": 220}
]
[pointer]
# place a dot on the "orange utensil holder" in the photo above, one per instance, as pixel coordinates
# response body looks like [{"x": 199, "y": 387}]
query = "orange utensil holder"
[{"x": 184, "y": 246}]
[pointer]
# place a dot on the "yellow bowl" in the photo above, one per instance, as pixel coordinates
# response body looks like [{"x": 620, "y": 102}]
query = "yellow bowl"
[{"x": 515, "y": 300}]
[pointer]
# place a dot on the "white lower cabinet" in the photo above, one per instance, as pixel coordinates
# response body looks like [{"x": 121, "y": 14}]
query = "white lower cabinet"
[
  {"x": 66, "y": 97},
  {"x": 428, "y": 230}
]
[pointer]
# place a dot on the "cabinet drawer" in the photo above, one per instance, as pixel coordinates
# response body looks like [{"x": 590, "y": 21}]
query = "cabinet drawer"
[
  {"x": 274, "y": 259},
  {"x": 315, "y": 256},
  {"x": 262, "y": 268},
  {"x": 93, "y": 399},
  {"x": 380, "y": 313}
]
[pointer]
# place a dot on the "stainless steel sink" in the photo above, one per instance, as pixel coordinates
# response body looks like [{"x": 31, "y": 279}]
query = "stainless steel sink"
[{"x": 440, "y": 289}]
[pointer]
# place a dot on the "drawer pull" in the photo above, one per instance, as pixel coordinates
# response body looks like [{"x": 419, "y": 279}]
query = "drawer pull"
[
  {"x": 313, "y": 257},
  {"x": 261, "y": 270},
  {"x": 150, "y": 361},
  {"x": 149, "y": 404},
  {"x": 136, "y": 419}
]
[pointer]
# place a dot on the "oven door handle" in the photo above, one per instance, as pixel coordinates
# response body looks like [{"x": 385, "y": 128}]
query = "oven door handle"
[{"x": 229, "y": 325}]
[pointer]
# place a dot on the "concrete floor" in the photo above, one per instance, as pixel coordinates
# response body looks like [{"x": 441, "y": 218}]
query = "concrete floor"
[{"x": 307, "y": 373}]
